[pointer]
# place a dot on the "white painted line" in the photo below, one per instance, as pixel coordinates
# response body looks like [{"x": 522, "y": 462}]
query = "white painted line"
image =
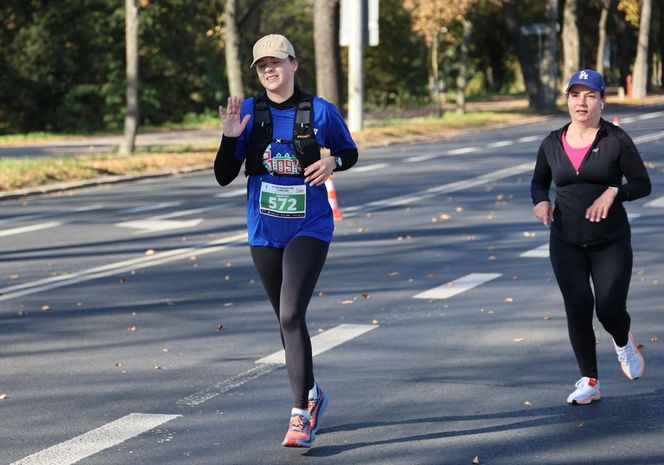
[
  {"x": 649, "y": 138},
  {"x": 462, "y": 150},
  {"x": 320, "y": 343},
  {"x": 652, "y": 115},
  {"x": 227, "y": 385},
  {"x": 656, "y": 203},
  {"x": 92, "y": 442},
  {"x": 233, "y": 193},
  {"x": 31, "y": 228},
  {"x": 420, "y": 158},
  {"x": 55, "y": 282},
  {"x": 323, "y": 342},
  {"x": 502, "y": 143},
  {"x": 457, "y": 286},
  {"x": 444, "y": 189},
  {"x": 149, "y": 226},
  {"x": 374, "y": 167},
  {"x": 147, "y": 208},
  {"x": 529, "y": 138},
  {"x": 629, "y": 119},
  {"x": 539, "y": 252}
]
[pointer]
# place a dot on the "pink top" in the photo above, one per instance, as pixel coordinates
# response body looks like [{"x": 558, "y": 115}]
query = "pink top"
[{"x": 574, "y": 154}]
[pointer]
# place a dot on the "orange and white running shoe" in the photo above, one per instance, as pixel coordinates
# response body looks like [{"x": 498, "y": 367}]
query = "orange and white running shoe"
[
  {"x": 299, "y": 432},
  {"x": 316, "y": 408},
  {"x": 587, "y": 390},
  {"x": 630, "y": 358}
]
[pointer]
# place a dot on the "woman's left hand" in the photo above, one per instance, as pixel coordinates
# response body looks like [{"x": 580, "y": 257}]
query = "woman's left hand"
[
  {"x": 317, "y": 173},
  {"x": 600, "y": 207}
]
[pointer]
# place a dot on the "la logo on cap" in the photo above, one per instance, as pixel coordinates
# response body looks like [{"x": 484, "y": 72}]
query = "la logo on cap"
[{"x": 583, "y": 75}]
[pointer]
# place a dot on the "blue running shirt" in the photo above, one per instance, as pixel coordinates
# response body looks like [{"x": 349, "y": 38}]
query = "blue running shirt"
[{"x": 288, "y": 211}]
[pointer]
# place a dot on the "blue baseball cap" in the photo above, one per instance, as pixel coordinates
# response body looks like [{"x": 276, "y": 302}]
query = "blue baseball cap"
[{"x": 589, "y": 78}]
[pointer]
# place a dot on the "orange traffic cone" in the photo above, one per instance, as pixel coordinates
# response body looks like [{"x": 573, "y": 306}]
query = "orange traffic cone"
[
  {"x": 616, "y": 121},
  {"x": 332, "y": 198}
]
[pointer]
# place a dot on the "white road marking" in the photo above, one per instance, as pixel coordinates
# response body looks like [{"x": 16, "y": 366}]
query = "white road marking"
[
  {"x": 147, "y": 208},
  {"x": 31, "y": 228},
  {"x": 92, "y": 442},
  {"x": 55, "y": 282},
  {"x": 320, "y": 343},
  {"x": 444, "y": 189},
  {"x": 655, "y": 203},
  {"x": 652, "y": 115},
  {"x": 529, "y": 138},
  {"x": 18, "y": 219},
  {"x": 374, "y": 167},
  {"x": 233, "y": 193},
  {"x": 419, "y": 158},
  {"x": 649, "y": 137},
  {"x": 151, "y": 225},
  {"x": 502, "y": 143},
  {"x": 323, "y": 342},
  {"x": 457, "y": 286},
  {"x": 462, "y": 150},
  {"x": 629, "y": 119},
  {"x": 538, "y": 252}
]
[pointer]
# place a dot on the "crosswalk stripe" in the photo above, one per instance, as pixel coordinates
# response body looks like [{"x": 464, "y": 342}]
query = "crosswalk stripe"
[
  {"x": 92, "y": 442},
  {"x": 31, "y": 228},
  {"x": 457, "y": 286}
]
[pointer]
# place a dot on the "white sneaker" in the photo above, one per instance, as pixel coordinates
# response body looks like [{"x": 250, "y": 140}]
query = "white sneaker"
[
  {"x": 587, "y": 390},
  {"x": 630, "y": 358}
]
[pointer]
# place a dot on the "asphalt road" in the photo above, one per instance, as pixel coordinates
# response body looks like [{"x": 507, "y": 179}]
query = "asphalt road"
[{"x": 131, "y": 321}]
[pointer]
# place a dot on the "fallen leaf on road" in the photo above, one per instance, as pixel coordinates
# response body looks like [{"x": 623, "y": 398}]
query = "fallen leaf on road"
[
  {"x": 509, "y": 300},
  {"x": 445, "y": 216},
  {"x": 393, "y": 273},
  {"x": 320, "y": 330},
  {"x": 518, "y": 339},
  {"x": 492, "y": 257},
  {"x": 118, "y": 365},
  {"x": 220, "y": 327},
  {"x": 581, "y": 425},
  {"x": 347, "y": 302},
  {"x": 366, "y": 295},
  {"x": 322, "y": 294},
  {"x": 193, "y": 258},
  {"x": 227, "y": 278},
  {"x": 528, "y": 403},
  {"x": 123, "y": 280},
  {"x": 3, "y": 396},
  {"x": 14, "y": 277},
  {"x": 374, "y": 322},
  {"x": 458, "y": 209},
  {"x": 228, "y": 264},
  {"x": 476, "y": 460},
  {"x": 654, "y": 339},
  {"x": 164, "y": 349},
  {"x": 45, "y": 308},
  {"x": 157, "y": 367},
  {"x": 529, "y": 234},
  {"x": 547, "y": 318},
  {"x": 132, "y": 329},
  {"x": 149, "y": 252},
  {"x": 361, "y": 230}
]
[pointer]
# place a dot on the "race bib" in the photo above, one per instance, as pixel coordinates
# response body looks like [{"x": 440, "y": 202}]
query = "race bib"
[{"x": 283, "y": 201}]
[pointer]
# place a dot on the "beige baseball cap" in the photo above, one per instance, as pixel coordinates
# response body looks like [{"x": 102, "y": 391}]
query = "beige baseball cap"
[{"x": 272, "y": 45}]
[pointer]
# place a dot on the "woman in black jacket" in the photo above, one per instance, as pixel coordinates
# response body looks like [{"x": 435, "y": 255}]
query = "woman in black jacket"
[{"x": 590, "y": 233}]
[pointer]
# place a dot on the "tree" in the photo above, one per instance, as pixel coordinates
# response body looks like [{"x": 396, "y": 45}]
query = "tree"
[
  {"x": 131, "y": 46},
  {"x": 232, "y": 49},
  {"x": 462, "y": 79},
  {"x": 640, "y": 64},
  {"x": 570, "y": 41},
  {"x": 548, "y": 70},
  {"x": 326, "y": 46},
  {"x": 601, "y": 35}
]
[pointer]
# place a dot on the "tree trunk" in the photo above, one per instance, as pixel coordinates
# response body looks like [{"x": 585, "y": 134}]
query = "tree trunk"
[
  {"x": 463, "y": 64},
  {"x": 641, "y": 64},
  {"x": 131, "y": 51},
  {"x": 570, "y": 41},
  {"x": 548, "y": 69},
  {"x": 326, "y": 50},
  {"x": 232, "y": 49},
  {"x": 601, "y": 39},
  {"x": 523, "y": 53}
]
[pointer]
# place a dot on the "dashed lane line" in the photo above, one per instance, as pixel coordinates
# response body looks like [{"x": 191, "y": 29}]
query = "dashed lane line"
[
  {"x": 55, "y": 282},
  {"x": 30, "y": 228},
  {"x": 655, "y": 203},
  {"x": 457, "y": 286},
  {"x": 374, "y": 167},
  {"x": 320, "y": 343},
  {"x": 95, "y": 441}
]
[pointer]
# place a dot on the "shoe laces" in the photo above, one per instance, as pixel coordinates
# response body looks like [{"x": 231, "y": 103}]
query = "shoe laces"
[
  {"x": 297, "y": 423},
  {"x": 626, "y": 355}
]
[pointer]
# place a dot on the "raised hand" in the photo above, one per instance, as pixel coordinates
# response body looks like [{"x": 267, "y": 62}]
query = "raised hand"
[{"x": 233, "y": 126}]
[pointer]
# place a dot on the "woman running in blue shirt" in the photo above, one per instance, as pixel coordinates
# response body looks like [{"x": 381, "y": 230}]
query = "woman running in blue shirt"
[{"x": 278, "y": 135}]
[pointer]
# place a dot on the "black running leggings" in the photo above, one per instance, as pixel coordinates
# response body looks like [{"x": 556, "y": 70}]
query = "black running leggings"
[
  {"x": 609, "y": 265},
  {"x": 289, "y": 276}
]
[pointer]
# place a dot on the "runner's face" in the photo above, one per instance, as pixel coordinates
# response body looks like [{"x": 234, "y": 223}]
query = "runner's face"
[
  {"x": 277, "y": 75},
  {"x": 584, "y": 104}
]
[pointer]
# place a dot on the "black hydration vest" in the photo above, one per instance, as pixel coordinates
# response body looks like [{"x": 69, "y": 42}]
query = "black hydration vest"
[{"x": 307, "y": 149}]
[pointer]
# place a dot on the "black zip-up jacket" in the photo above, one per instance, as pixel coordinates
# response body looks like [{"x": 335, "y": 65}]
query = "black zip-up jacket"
[{"x": 611, "y": 156}]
